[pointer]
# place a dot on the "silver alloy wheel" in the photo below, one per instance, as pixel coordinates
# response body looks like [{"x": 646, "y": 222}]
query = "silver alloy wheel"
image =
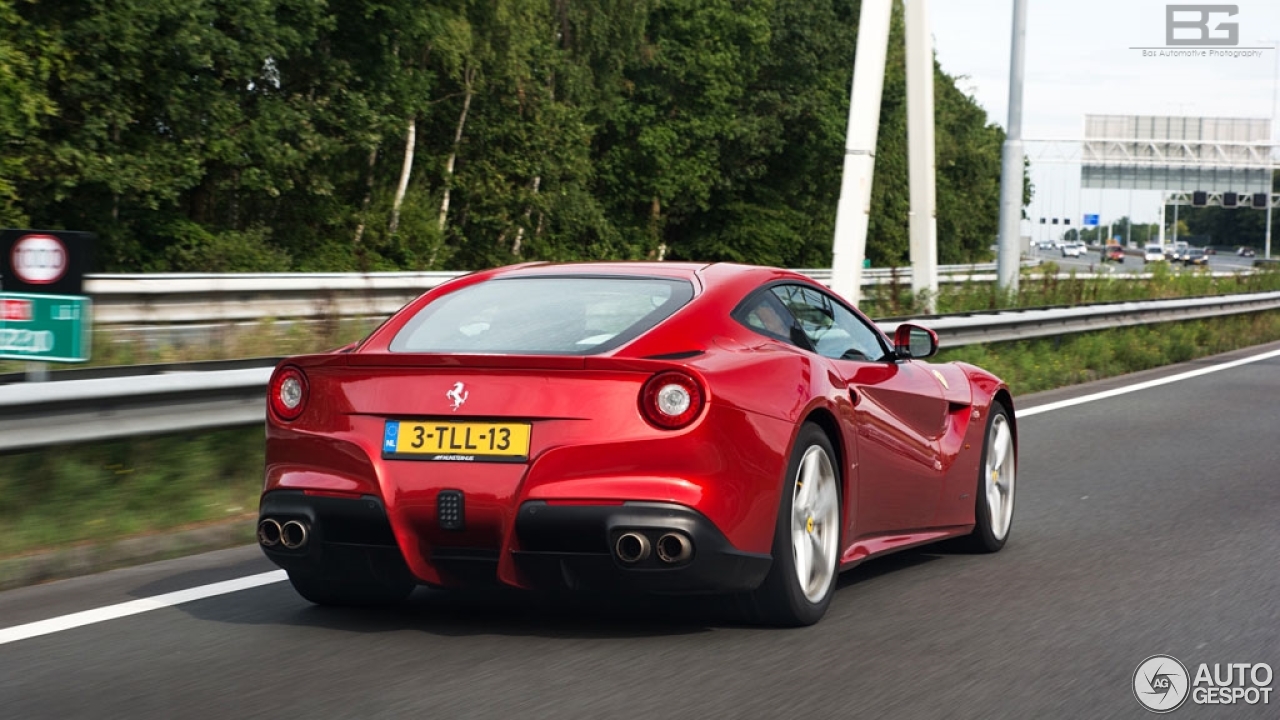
[
  {"x": 815, "y": 523},
  {"x": 1001, "y": 465}
]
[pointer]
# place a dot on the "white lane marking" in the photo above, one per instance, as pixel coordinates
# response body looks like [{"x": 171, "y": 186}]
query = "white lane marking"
[
  {"x": 134, "y": 607},
  {"x": 1145, "y": 385}
]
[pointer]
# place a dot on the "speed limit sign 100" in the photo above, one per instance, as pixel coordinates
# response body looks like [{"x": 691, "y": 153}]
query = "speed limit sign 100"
[{"x": 38, "y": 259}]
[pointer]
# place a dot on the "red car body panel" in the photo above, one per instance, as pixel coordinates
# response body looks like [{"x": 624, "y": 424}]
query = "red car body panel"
[{"x": 909, "y": 434}]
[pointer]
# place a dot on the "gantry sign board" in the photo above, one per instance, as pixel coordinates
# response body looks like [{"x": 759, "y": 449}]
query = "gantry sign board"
[
  {"x": 44, "y": 316},
  {"x": 1158, "y": 152}
]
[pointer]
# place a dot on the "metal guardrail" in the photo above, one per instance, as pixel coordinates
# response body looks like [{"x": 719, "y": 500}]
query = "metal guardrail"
[
  {"x": 973, "y": 328},
  {"x": 187, "y": 301},
  {"x": 68, "y": 411},
  {"x": 167, "y": 299},
  {"x": 72, "y": 411},
  {"x": 98, "y": 372}
]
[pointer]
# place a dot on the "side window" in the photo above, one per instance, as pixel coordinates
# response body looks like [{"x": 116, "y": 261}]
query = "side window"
[
  {"x": 764, "y": 314},
  {"x": 833, "y": 331}
]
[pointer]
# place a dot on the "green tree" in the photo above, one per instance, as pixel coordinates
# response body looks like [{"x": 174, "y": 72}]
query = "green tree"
[
  {"x": 385, "y": 134},
  {"x": 1232, "y": 226},
  {"x": 28, "y": 56}
]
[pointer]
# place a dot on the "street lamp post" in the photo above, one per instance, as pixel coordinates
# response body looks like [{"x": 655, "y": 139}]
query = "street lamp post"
[
  {"x": 1271, "y": 171},
  {"x": 1275, "y": 91},
  {"x": 1011, "y": 160}
]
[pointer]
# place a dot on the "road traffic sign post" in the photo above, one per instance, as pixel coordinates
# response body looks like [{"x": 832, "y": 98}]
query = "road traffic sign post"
[
  {"x": 45, "y": 328},
  {"x": 44, "y": 317},
  {"x": 44, "y": 261}
]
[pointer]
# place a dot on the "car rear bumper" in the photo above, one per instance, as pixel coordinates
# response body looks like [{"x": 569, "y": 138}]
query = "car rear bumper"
[
  {"x": 578, "y": 545},
  {"x": 339, "y": 531},
  {"x": 553, "y": 545}
]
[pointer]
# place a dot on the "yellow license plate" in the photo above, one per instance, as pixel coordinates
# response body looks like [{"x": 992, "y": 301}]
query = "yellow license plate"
[{"x": 458, "y": 441}]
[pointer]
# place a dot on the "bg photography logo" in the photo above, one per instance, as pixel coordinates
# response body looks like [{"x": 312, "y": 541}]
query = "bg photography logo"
[{"x": 1201, "y": 31}]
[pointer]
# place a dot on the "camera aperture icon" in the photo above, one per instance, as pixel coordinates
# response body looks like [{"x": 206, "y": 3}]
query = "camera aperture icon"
[{"x": 1161, "y": 683}]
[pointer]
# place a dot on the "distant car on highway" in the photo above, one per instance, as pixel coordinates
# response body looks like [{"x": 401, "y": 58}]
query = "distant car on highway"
[
  {"x": 635, "y": 427},
  {"x": 1113, "y": 252},
  {"x": 1073, "y": 249},
  {"x": 1246, "y": 252},
  {"x": 1153, "y": 253},
  {"x": 1195, "y": 256}
]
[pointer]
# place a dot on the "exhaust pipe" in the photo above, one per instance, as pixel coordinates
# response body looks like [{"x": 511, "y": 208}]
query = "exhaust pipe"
[
  {"x": 674, "y": 548},
  {"x": 269, "y": 532},
  {"x": 293, "y": 534},
  {"x": 632, "y": 547}
]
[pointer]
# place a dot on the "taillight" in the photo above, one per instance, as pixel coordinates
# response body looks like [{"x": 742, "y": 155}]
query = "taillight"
[
  {"x": 671, "y": 400},
  {"x": 288, "y": 393}
]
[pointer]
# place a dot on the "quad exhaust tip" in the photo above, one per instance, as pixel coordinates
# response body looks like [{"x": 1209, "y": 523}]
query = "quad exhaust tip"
[
  {"x": 269, "y": 532},
  {"x": 632, "y": 547},
  {"x": 674, "y": 548},
  {"x": 293, "y": 534}
]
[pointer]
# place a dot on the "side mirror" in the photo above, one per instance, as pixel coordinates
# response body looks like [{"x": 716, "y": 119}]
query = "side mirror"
[{"x": 915, "y": 342}]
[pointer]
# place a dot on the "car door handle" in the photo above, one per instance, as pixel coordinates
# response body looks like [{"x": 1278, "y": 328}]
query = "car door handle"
[{"x": 853, "y": 395}]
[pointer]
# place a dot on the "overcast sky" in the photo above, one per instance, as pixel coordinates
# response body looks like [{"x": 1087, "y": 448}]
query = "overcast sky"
[{"x": 1079, "y": 61}]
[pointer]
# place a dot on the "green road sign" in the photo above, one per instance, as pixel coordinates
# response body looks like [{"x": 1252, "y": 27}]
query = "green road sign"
[{"x": 52, "y": 328}]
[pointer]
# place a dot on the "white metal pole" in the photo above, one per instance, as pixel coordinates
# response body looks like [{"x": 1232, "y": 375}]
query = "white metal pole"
[
  {"x": 1175, "y": 219},
  {"x": 854, "y": 207},
  {"x": 1162, "y": 202},
  {"x": 1271, "y": 182},
  {"x": 1012, "y": 160},
  {"x": 1080, "y": 201},
  {"x": 920, "y": 155},
  {"x": 1266, "y": 252},
  {"x": 1063, "y": 217},
  {"x": 1128, "y": 223}
]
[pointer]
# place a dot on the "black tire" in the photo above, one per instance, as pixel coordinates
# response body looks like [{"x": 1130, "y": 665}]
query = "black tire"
[
  {"x": 983, "y": 539},
  {"x": 780, "y": 600},
  {"x": 352, "y": 587}
]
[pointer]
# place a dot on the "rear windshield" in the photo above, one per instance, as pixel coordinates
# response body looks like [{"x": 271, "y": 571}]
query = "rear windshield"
[{"x": 543, "y": 315}]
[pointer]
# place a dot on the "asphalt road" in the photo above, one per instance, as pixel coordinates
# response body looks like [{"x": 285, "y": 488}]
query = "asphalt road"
[
  {"x": 1146, "y": 523},
  {"x": 1091, "y": 261}
]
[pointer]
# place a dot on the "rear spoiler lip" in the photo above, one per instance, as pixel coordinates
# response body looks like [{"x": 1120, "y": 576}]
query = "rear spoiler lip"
[
  {"x": 650, "y": 364},
  {"x": 475, "y": 360}
]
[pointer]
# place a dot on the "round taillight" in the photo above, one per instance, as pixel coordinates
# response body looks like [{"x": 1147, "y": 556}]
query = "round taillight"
[
  {"x": 671, "y": 400},
  {"x": 288, "y": 393}
]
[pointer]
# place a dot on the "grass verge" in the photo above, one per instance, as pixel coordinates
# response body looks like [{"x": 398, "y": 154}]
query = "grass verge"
[
  {"x": 267, "y": 338},
  {"x": 1040, "y": 286},
  {"x": 63, "y": 496},
  {"x": 1030, "y": 366},
  {"x": 1046, "y": 285}
]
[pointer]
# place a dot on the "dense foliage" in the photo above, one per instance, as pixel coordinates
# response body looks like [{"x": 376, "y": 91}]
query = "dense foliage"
[
  {"x": 1242, "y": 225},
  {"x": 241, "y": 135}
]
